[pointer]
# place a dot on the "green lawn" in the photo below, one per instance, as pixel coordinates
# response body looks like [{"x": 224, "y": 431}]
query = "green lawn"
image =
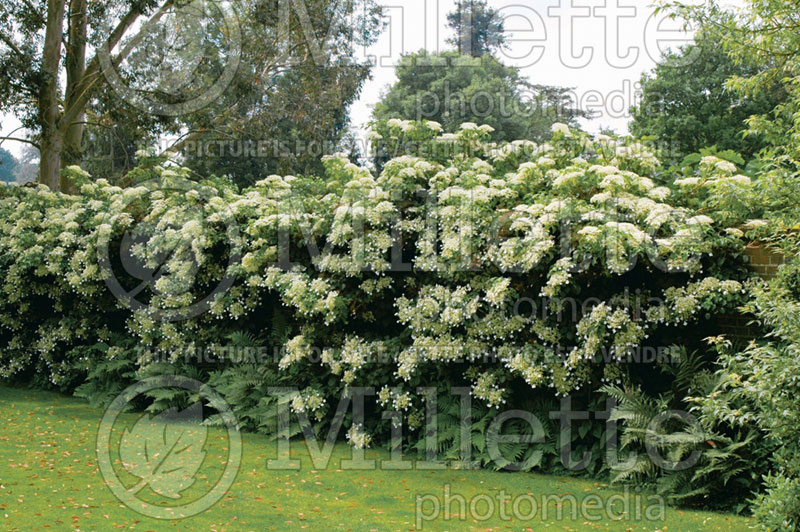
[{"x": 50, "y": 480}]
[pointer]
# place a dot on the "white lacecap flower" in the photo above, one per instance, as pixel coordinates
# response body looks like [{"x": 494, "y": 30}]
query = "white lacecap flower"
[
  {"x": 613, "y": 180},
  {"x": 358, "y": 438},
  {"x": 563, "y": 129},
  {"x": 725, "y": 166},
  {"x": 755, "y": 224},
  {"x": 590, "y": 231},
  {"x": 741, "y": 180},
  {"x": 659, "y": 193},
  {"x": 78, "y": 170},
  {"x": 700, "y": 220}
]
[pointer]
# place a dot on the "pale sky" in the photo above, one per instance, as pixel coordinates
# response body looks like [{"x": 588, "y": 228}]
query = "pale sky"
[{"x": 598, "y": 47}]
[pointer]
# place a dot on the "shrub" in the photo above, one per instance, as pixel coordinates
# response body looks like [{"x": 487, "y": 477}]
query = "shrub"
[
  {"x": 757, "y": 390},
  {"x": 421, "y": 277}
]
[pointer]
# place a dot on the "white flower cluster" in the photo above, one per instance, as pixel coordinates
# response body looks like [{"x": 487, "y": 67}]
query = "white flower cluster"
[
  {"x": 358, "y": 438},
  {"x": 296, "y": 350},
  {"x": 486, "y": 388},
  {"x": 399, "y": 401},
  {"x": 523, "y": 363},
  {"x": 478, "y": 226},
  {"x": 309, "y": 402},
  {"x": 438, "y": 309},
  {"x": 683, "y": 304}
]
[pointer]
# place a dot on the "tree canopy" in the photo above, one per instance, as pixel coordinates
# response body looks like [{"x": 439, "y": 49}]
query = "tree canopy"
[
  {"x": 478, "y": 28},
  {"x": 686, "y": 104},
  {"x": 129, "y": 71},
  {"x": 763, "y": 33},
  {"x": 8, "y": 165},
  {"x": 451, "y": 89}
]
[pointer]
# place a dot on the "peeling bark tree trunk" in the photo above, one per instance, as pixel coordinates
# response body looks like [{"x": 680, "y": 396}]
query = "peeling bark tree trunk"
[
  {"x": 51, "y": 147},
  {"x": 76, "y": 68},
  {"x": 62, "y": 131},
  {"x": 52, "y": 142}
]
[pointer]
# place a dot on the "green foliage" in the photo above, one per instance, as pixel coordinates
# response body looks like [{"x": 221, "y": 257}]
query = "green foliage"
[
  {"x": 109, "y": 371},
  {"x": 761, "y": 35},
  {"x": 245, "y": 385},
  {"x": 478, "y": 28},
  {"x": 401, "y": 281},
  {"x": 450, "y": 89},
  {"x": 686, "y": 104},
  {"x": 8, "y": 166},
  {"x": 621, "y": 234},
  {"x": 289, "y": 86},
  {"x": 704, "y": 462},
  {"x": 519, "y": 448},
  {"x": 757, "y": 385},
  {"x": 757, "y": 389},
  {"x": 304, "y": 116}
]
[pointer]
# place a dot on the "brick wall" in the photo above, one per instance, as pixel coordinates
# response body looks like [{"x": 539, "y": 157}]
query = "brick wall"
[
  {"x": 738, "y": 326},
  {"x": 764, "y": 261}
]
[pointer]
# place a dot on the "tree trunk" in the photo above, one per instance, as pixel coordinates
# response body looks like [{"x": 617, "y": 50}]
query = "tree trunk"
[
  {"x": 51, "y": 148},
  {"x": 76, "y": 68},
  {"x": 52, "y": 143},
  {"x": 62, "y": 132}
]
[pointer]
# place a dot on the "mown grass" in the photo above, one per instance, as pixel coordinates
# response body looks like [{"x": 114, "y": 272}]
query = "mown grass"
[{"x": 50, "y": 480}]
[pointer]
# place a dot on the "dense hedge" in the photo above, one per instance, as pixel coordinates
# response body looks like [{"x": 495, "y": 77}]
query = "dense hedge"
[{"x": 427, "y": 275}]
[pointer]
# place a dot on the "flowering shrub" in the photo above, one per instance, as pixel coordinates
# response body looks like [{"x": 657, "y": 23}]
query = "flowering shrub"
[{"x": 512, "y": 269}]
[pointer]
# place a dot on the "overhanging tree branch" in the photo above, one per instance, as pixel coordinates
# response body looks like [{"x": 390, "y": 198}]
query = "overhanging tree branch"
[
  {"x": 17, "y": 139},
  {"x": 93, "y": 76},
  {"x": 11, "y": 44}
]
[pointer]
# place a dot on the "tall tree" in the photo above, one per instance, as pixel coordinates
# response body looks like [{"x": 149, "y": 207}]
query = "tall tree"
[
  {"x": 763, "y": 33},
  {"x": 160, "y": 53},
  {"x": 686, "y": 104},
  {"x": 8, "y": 165},
  {"x": 298, "y": 113},
  {"x": 478, "y": 28},
  {"x": 304, "y": 117},
  {"x": 40, "y": 41},
  {"x": 451, "y": 89}
]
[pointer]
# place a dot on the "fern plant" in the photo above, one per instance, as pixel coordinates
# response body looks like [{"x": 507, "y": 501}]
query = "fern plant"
[
  {"x": 524, "y": 451},
  {"x": 686, "y": 456},
  {"x": 110, "y": 371},
  {"x": 246, "y": 385}
]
